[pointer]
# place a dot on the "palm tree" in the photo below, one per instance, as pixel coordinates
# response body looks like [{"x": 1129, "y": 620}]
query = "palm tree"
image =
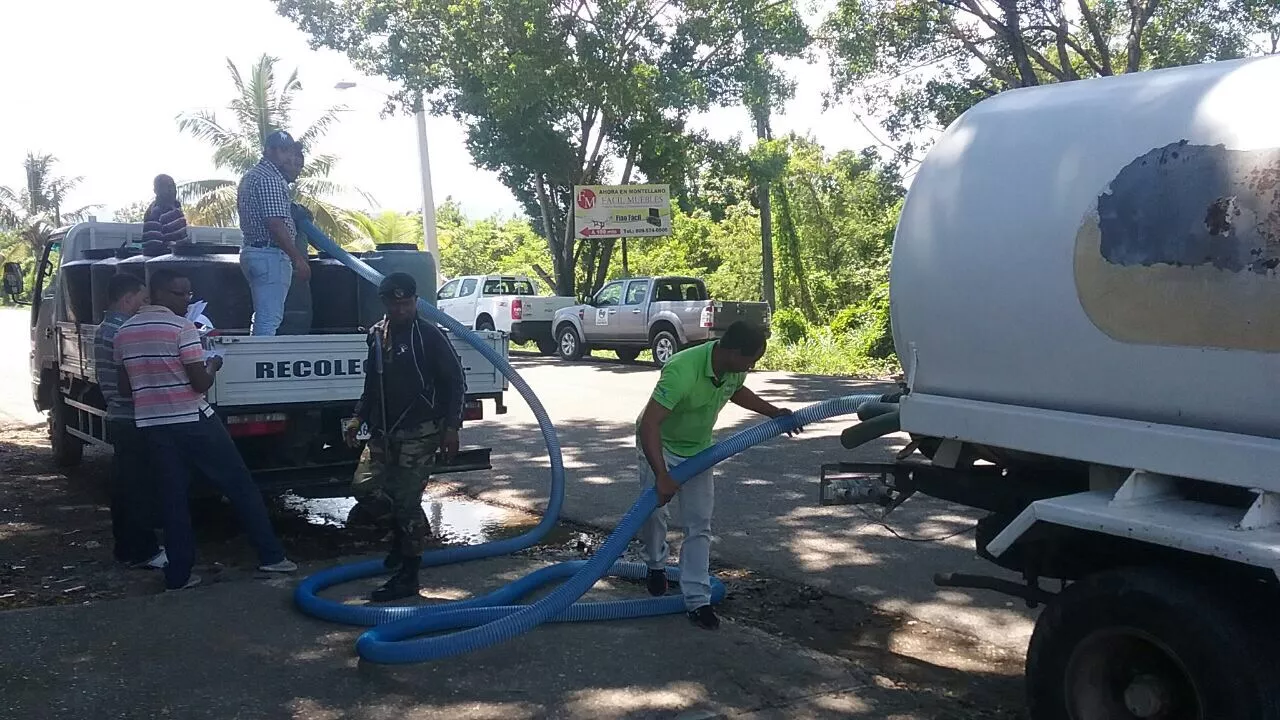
[
  {"x": 388, "y": 226},
  {"x": 261, "y": 106},
  {"x": 36, "y": 210}
]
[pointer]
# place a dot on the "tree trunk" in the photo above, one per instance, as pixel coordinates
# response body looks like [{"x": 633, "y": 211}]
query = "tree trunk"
[
  {"x": 792, "y": 254},
  {"x": 761, "y": 116}
]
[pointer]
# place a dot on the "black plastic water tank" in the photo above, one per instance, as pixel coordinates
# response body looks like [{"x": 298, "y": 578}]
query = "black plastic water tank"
[
  {"x": 100, "y": 276},
  {"x": 137, "y": 264},
  {"x": 77, "y": 278},
  {"x": 396, "y": 257},
  {"x": 216, "y": 278},
  {"x": 335, "y": 300}
]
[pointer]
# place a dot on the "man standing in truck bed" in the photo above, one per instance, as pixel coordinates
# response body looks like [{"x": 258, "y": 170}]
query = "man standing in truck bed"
[
  {"x": 270, "y": 256},
  {"x": 677, "y": 424},
  {"x": 412, "y": 402}
]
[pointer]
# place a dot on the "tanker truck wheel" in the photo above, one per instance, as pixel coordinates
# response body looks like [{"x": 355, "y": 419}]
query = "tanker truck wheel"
[
  {"x": 67, "y": 451},
  {"x": 1143, "y": 643}
]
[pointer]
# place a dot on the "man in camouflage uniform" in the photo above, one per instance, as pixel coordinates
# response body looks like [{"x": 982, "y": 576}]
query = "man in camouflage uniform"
[{"x": 412, "y": 405}]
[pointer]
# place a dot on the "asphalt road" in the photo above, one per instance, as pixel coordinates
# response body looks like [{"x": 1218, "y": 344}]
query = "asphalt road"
[{"x": 15, "y": 388}]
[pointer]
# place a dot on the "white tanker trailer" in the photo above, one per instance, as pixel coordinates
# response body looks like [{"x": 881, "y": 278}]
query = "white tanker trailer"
[{"x": 1086, "y": 301}]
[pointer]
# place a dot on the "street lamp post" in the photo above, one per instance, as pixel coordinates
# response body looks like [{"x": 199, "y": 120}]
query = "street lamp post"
[{"x": 424, "y": 168}]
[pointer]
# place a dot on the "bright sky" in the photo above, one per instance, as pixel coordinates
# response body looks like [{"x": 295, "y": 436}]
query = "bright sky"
[{"x": 99, "y": 84}]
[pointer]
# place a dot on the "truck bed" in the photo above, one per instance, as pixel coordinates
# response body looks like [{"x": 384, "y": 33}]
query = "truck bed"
[{"x": 290, "y": 369}]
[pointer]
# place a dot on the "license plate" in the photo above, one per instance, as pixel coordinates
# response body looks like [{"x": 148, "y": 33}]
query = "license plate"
[{"x": 362, "y": 433}]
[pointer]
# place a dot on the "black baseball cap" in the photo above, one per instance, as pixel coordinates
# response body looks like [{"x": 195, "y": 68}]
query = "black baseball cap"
[
  {"x": 397, "y": 286},
  {"x": 279, "y": 140}
]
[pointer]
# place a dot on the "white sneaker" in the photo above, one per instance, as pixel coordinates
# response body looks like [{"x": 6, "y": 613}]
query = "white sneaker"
[
  {"x": 192, "y": 581},
  {"x": 284, "y": 566},
  {"x": 158, "y": 562}
]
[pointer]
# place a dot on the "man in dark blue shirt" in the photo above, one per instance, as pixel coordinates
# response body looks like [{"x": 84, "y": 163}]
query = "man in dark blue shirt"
[
  {"x": 134, "y": 491},
  {"x": 412, "y": 404}
]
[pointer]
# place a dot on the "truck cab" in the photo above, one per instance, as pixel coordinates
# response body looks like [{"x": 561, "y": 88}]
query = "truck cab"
[
  {"x": 661, "y": 314},
  {"x": 283, "y": 398},
  {"x": 505, "y": 303}
]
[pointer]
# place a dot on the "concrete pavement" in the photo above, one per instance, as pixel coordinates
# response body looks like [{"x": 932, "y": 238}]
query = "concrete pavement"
[
  {"x": 239, "y": 649},
  {"x": 15, "y": 389},
  {"x": 766, "y": 517}
]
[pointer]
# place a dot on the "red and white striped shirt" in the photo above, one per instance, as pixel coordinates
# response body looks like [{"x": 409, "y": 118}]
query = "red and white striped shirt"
[{"x": 153, "y": 346}]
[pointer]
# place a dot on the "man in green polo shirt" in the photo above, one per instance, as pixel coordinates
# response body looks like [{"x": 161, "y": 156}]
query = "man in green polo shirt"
[{"x": 677, "y": 424}]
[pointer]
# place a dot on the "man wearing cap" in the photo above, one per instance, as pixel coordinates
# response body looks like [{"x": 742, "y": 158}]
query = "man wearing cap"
[
  {"x": 412, "y": 405},
  {"x": 270, "y": 256}
]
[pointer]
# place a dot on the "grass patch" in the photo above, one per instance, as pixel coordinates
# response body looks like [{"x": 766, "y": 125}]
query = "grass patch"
[{"x": 823, "y": 352}]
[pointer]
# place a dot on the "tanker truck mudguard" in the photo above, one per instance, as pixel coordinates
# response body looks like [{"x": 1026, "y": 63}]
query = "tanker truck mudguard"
[
  {"x": 494, "y": 618},
  {"x": 1084, "y": 293}
]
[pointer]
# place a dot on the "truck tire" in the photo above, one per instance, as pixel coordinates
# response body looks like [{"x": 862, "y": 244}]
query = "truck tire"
[
  {"x": 627, "y": 355},
  {"x": 68, "y": 451},
  {"x": 1146, "y": 643},
  {"x": 665, "y": 344},
  {"x": 569, "y": 344},
  {"x": 484, "y": 323},
  {"x": 547, "y": 346}
]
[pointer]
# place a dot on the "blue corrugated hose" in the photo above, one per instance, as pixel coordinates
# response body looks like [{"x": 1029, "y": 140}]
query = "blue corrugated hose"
[{"x": 494, "y": 618}]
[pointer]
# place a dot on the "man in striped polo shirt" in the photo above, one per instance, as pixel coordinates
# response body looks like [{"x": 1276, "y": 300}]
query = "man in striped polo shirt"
[
  {"x": 134, "y": 502},
  {"x": 164, "y": 221},
  {"x": 162, "y": 362}
]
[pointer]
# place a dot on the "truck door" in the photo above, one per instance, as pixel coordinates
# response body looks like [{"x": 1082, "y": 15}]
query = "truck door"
[
  {"x": 633, "y": 325},
  {"x": 44, "y": 340},
  {"x": 601, "y": 323},
  {"x": 446, "y": 301},
  {"x": 465, "y": 306}
]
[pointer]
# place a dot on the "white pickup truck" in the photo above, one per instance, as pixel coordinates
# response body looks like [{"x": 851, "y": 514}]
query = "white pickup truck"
[
  {"x": 283, "y": 398},
  {"x": 507, "y": 303}
]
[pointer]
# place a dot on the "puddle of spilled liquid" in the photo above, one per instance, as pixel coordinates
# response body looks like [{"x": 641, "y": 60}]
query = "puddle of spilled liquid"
[{"x": 453, "y": 518}]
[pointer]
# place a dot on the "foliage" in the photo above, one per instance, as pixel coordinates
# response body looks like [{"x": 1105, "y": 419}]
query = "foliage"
[
  {"x": 790, "y": 326},
  {"x": 134, "y": 212},
  {"x": 388, "y": 226},
  {"x": 261, "y": 106},
  {"x": 493, "y": 245},
  {"x": 567, "y": 92},
  {"x": 36, "y": 210},
  {"x": 824, "y": 352},
  {"x": 927, "y": 61}
]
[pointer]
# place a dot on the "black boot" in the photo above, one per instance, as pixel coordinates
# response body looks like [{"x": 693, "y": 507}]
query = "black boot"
[
  {"x": 395, "y": 559},
  {"x": 404, "y": 584}
]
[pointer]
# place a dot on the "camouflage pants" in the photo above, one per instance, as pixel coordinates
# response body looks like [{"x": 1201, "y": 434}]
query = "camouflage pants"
[{"x": 391, "y": 478}]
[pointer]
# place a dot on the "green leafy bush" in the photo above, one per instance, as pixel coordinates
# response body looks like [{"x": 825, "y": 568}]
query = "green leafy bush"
[{"x": 789, "y": 326}]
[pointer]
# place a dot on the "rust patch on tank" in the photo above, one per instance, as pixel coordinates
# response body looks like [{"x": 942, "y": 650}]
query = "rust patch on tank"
[{"x": 1182, "y": 248}]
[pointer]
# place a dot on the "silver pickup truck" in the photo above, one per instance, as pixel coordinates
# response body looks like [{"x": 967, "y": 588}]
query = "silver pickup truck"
[{"x": 662, "y": 314}]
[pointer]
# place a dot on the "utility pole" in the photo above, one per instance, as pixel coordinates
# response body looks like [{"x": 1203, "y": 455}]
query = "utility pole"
[{"x": 428, "y": 199}]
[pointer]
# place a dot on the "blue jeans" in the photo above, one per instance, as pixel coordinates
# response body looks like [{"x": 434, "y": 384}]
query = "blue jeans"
[
  {"x": 181, "y": 450},
  {"x": 269, "y": 272}
]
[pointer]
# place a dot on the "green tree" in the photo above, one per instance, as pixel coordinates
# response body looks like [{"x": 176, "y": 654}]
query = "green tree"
[
  {"x": 387, "y": 226},
  {"x": 496, "y": 244},
  {"x": 134, "y": 212},
  {"x": 553, "y": 94},
  {"x": 927, "y": 61},
  {"x": 261, "y": 106},
  {"x": 33, "y": 211}
]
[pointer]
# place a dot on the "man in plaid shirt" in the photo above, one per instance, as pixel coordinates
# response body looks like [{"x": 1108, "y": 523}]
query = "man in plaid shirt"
[{"x": 270, "y": 256}]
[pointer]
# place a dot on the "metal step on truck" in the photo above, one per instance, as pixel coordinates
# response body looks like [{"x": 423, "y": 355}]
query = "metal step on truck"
[
  {"x": 1085, "y": 298},
  {"x": 283, "y": 398}
]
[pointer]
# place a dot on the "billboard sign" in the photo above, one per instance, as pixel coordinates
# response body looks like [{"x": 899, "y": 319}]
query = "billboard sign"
[{"x": 615, "y": 211}]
